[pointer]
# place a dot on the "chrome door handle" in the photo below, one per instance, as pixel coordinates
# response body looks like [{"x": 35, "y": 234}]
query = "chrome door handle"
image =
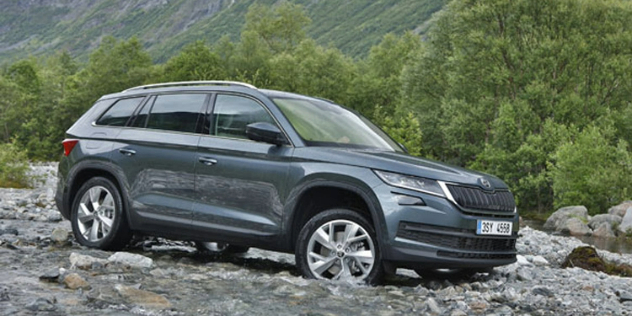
[
  {"x": 127, "y": 152},
  {"x": 207, "y": 161}
]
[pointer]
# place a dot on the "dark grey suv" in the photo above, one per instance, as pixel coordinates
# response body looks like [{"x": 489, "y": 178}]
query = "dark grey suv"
[{"x": 231, "y": 166}]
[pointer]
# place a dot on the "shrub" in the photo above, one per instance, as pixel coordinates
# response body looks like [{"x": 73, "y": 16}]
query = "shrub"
[{"x": 13, "y": 166}]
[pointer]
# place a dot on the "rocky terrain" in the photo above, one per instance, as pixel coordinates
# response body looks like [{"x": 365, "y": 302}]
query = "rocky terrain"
[{"x": 44, "y": 272}]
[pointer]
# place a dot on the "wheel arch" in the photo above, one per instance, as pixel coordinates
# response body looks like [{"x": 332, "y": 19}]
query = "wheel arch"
[
  {"x": 85, "y": 171},
  {"x": 320, "y": 195}
]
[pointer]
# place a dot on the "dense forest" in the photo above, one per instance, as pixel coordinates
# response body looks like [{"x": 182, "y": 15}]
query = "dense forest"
[{"x": 536, "y": 92}]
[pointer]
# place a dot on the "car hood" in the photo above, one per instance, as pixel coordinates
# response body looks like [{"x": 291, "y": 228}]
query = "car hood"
[{"x": 398, "y": 163}]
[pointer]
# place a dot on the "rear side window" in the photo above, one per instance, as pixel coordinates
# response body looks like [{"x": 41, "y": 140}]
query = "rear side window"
[
  {"x": 232, "y": 114},
  {"x": 119, "y": 113},
  {"x": 177, "y": 112}
]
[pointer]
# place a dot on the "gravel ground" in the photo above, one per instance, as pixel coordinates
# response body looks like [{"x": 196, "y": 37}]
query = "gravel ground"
[{"x": 46, "y": 273}]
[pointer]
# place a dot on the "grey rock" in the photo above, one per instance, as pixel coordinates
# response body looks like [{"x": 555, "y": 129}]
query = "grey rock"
[
  {"x": 50, "y": 275},
  {"x": 541, "y": 290},
  {"x": 563, "y": 214},
  {"x": 621, "y": 209},
  {"x": 83, "y": 261},
  {"x": 4, "y": 294},
  {"x": 41, "y": 305},
  {"x": 626, "y": 222},
  {"x": 9, "y": 231},
  {"x": 574, "y": 227},
  {"x": 524, "y": 274},
  {"x": 433, "y": 307},
  {"x": 142, "y": 298},
  {"x": 604, "y": 230},
  {"x": 598, "y": 219},
  {"x": 60, "y": 235},
  {"x": 540, "y": 261},
  {"x": 625, "y": 296},
  {"x": 131, "y": 259},
  {"x": 523, "y": 261}
]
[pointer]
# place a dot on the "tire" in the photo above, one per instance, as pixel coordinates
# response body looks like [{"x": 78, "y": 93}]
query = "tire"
[
  {"x": 323, "y": 250},
  {"x": 98, "y": 217},
  {"x": 450, "y": 274},
  {"x": 219, "y": 248}
]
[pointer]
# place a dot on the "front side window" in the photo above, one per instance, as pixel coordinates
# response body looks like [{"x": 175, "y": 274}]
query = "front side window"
[
  {"x": 177, "y": 112},
  {"x": 232, "y": 114},
  {"x": 120, "y": 112}
]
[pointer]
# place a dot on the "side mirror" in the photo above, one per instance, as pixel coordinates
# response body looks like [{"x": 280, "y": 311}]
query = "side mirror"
[{"x": 265, "y": 132}]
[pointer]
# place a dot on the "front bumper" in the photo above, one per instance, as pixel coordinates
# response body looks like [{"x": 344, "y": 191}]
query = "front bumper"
[{"x": 440, "y": 234}]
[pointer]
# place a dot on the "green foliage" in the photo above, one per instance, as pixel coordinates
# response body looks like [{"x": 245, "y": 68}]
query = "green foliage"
[
  {"x": 592, "y": 171},
  {"x": 403, "y": 127},
  {"x": 194, "y": 62},
  {"x": 501, "y": 84},
  {"x": 13, "y": 166}
]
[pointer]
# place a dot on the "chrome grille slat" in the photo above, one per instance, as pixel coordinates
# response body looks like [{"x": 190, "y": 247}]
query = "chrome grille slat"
[{"x": 476, "y": 198}]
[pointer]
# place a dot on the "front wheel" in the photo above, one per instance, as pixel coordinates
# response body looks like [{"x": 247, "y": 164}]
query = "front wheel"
[
  {"x": 339, "y": 244},
  {"x": 97, "y": 217}
]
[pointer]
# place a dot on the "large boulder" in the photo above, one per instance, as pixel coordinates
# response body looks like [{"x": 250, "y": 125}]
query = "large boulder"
[
  {"x": 626, "y": 223},
  {"x": 620, "y": 209},
  {"x": 560, "y": 216},
  {"x": 599, "y": 219},
  {"x": 574, "y": 227},
  {"x": 604, "y": 230}
]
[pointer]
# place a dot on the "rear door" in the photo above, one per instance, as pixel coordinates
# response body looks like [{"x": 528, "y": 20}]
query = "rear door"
[
  {"x": 239, "y": 183},
  {"x": 158, "y": 153}
]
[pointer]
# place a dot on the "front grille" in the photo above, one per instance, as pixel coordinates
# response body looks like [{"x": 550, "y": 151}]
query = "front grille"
[
  {"x": 475, "y": 198},
  {"x": 433, "y": 236}
]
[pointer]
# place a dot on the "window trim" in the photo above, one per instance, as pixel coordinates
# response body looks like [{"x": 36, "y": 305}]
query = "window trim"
[
  {"x": 132, "y": 116},
  {"x": 211, "y": 108}
]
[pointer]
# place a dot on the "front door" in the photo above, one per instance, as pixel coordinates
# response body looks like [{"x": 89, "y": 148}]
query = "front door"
[{"x": 240, "y": 183}]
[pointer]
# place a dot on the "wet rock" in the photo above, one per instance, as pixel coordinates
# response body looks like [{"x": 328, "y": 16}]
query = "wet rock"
[
  {"x": 604, "y": 230},
  {"x": 9, "y": 231},
  {"x": 625, "y": 296},
  {"x": 51, "y": 275},
  {"x": 74, "y": 281},
  {"x": 142, "y": 298},
  {"x": 621, "y": 209},
  {"x": 59, "y": 235},
  {"x": 541, "y": 290},
  {"x": 574, "y": 227},
  {"x": 563, "y": 214},
  {"x": 84, "y": 262},
  {"x": 4, "y": 294},
  {"x": 41, "y": 305},
  {"x": 131, "y": 259}
]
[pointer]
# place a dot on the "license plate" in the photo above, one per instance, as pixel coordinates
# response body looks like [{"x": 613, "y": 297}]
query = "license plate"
[{"x": 494, "y": 228}]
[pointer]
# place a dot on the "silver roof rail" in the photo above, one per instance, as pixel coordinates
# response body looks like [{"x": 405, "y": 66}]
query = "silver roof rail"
[{"x": 192, "y": 83}]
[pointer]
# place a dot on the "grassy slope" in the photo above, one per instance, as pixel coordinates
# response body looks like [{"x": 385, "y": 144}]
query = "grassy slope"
[{"x": 351, "y": 25}]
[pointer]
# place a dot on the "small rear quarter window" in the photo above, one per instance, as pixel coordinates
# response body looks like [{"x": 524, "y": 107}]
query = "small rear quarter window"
[{"x": 120, "y": 112}]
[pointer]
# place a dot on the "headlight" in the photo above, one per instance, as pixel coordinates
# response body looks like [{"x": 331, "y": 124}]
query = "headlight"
[{"x": 412, "y": 183}]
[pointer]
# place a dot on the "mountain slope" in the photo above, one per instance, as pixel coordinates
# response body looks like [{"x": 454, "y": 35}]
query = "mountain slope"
[{"x": 39, "y": 27}]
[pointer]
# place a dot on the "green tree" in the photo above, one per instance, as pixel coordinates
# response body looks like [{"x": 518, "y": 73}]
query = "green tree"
[
  {"x": 593, "y": 171},
  {"x": 494, "y": 72},
  {"x": 195, "y": 62}
]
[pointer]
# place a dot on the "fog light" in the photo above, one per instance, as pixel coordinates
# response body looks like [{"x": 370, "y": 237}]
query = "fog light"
[{"x": 409, "y": 200}]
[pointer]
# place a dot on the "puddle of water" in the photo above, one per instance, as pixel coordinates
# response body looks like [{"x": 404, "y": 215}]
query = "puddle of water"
[{"x": 615, "y": 245}]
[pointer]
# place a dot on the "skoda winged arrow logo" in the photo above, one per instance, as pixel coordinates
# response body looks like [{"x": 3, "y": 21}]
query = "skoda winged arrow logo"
[{"x": 485, "y": 183}]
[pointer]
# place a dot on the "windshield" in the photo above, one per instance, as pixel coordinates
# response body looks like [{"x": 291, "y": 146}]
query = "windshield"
[{"x": 321, "y": 123}]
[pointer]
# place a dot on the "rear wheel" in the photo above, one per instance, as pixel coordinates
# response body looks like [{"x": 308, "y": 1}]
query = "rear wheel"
[
  {"x": 97, "y": 218},
  {"x": 218, "y": 247},
  {"x": 339, "y": 244}
]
